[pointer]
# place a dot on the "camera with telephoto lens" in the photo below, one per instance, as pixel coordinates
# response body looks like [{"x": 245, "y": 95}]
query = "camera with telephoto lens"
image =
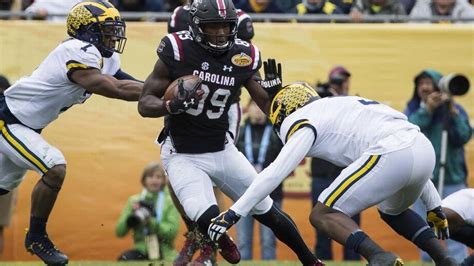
[
  {"x": 454, "y": 84},
  {"x": 141, "y": 214},
  {"x": 324, "y": 89}
]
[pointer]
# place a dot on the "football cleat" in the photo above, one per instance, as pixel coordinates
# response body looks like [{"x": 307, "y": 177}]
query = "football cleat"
[
  {"x": 186, "y": 254},
  {"x": 385, "y": 259},
  {"x": 318, "y": 263},
  {"x": 207, "y": 257},
  {"x": 228, "y": 249},
  {"x": 45, "y": 249}
]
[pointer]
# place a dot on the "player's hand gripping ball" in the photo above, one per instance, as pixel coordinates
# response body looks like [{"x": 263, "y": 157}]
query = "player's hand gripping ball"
[{"x": 182, "y": 94}]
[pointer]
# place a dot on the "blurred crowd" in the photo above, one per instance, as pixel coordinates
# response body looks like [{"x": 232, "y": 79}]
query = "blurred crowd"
[{"x": 357, "y": 9}]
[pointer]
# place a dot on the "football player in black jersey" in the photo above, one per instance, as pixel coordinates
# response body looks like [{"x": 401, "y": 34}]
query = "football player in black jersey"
[
  {"x": 179, "y": 21},
  {"x": 196, "y": 149}
]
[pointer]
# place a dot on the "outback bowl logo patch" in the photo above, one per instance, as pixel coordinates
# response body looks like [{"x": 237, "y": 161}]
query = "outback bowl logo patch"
[{"x": 241, "y": 60}]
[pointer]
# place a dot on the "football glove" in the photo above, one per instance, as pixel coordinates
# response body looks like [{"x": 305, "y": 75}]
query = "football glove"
[
  {"x": 185, "y": 99},
  {"x": 438, "y": 222},
  {"x": 220, "y": 224},
  {"x": 273, "y": 81}
]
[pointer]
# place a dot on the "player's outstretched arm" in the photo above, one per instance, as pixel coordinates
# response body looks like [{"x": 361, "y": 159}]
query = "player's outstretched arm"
[
  {"x": 259, "y": 95},
  {"x": 287, "y": 160},
  {"x": 95, "y": 82},
  {"x": 150, "y": 103}
]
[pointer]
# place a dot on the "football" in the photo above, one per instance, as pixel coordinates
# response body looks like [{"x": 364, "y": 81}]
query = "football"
[{"x": 172, "y": 90}]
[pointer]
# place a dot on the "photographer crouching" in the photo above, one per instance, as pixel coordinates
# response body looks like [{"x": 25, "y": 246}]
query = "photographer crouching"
[
  {"x": 434, "y": 110},
  {"x": 152, "y": 217}
]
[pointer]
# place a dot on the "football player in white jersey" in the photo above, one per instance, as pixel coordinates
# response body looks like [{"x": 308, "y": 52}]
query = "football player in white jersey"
[
  {"x": 67, "y": 76},
  {"x": 388, "y": 163}
]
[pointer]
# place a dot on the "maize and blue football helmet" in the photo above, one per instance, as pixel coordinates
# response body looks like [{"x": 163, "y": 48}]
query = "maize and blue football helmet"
[{"x": 99, "y": 23}]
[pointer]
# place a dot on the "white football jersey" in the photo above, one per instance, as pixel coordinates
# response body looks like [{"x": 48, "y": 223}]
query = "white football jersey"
[
  {"x": 462, "y": 202},
  {"x": 37, "y": 100},
  {"x": 347, "y": 127}
]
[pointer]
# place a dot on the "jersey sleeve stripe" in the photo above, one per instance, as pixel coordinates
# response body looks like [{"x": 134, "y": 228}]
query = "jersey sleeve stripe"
[
  {"x": 22, "y": 150},
  {"x": 255, "y": 54},
  {"x": 72, "y": 66},
  {"x": 351, "y": 180},
  {"x": 177, "y": 46},
  {"x": 298, "y": 125}
]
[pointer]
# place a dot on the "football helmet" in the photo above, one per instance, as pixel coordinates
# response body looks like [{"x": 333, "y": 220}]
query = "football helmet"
[
  {"x": 289, "y": 99},
  {"x": 99, "y": 23},
  {"x": 213, "y": 11}
]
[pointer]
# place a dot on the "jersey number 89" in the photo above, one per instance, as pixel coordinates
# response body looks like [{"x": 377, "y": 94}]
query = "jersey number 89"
[{"x": 219, "y": 99}]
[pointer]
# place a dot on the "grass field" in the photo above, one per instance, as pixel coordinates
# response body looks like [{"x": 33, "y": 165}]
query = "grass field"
[{"x": 249, "y": 263}]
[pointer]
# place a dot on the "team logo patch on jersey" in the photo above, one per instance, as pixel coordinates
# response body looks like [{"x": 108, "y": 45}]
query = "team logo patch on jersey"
[
  {"x": 205, "y": 66},
  {"x": 161, "y": 47},
  {"x": 241, "y": 60}
]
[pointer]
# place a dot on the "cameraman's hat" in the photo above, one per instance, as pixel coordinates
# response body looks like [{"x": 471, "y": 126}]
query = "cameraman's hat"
[{"x": 338, "y": 74}]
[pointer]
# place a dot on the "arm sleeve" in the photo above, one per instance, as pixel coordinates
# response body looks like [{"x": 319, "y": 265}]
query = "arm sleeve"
[
  {"x": 430, "y": 197},
  {"x": 121, "y": 75},
  {"x": 289, "y": 158},
  {"x": 420, "y": 118},
  {"x": 121, "y": 229}
]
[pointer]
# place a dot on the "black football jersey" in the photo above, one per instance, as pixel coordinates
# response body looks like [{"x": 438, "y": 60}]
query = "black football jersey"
[
  {"x": 203, "y": 129},
  {"x": 181, "y": 18}
]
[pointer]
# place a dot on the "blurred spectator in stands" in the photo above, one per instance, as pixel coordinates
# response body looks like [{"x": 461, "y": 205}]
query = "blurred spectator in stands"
[
  {"x": 408, "y": 5},
  {"x": 450, "y": 8},
  {"x": 259, "y": 143},
  {"x": 318, "y": 7},
  {"x": 152, "y": 217},
  {"x": 140, "y": 5},
  {"x": 344, "y": 5},
  {"x": 267, "y": 6},
  {"x": 323, "y": 173},
  {"x": 376, "y": 7},
  {"x": 52, "y": 10},
  {"x": 7, "y": 202},
  {"x": 427, "y": 110},
  {"x": 6, "y": 4}
]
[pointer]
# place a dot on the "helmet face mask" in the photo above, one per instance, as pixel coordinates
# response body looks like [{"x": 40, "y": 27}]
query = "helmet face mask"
[
  {"x": 99, "y": 23},
  {"x": 214, "y": 25}
]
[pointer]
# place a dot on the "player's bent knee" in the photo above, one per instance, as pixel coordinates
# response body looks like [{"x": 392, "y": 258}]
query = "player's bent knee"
[
  {"x": 317, "y": 213},
  {"x": 3, "y": 191},
  {"x": 54, "y": 178}
]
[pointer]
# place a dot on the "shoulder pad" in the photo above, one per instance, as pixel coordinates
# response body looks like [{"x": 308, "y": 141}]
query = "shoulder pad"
[{"x": 171, "y": 46}]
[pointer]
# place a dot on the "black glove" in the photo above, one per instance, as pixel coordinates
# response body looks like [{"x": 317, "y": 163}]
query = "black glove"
[
  {"x": 273, "y": 81},
  {"x": 220, "y": 224},
  {"x": 437, "y": 220},
  {"x": 185, "y": 99}
]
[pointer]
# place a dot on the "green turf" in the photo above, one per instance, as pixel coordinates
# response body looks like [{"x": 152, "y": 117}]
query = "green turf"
[{"x": 249, "y": 263}]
